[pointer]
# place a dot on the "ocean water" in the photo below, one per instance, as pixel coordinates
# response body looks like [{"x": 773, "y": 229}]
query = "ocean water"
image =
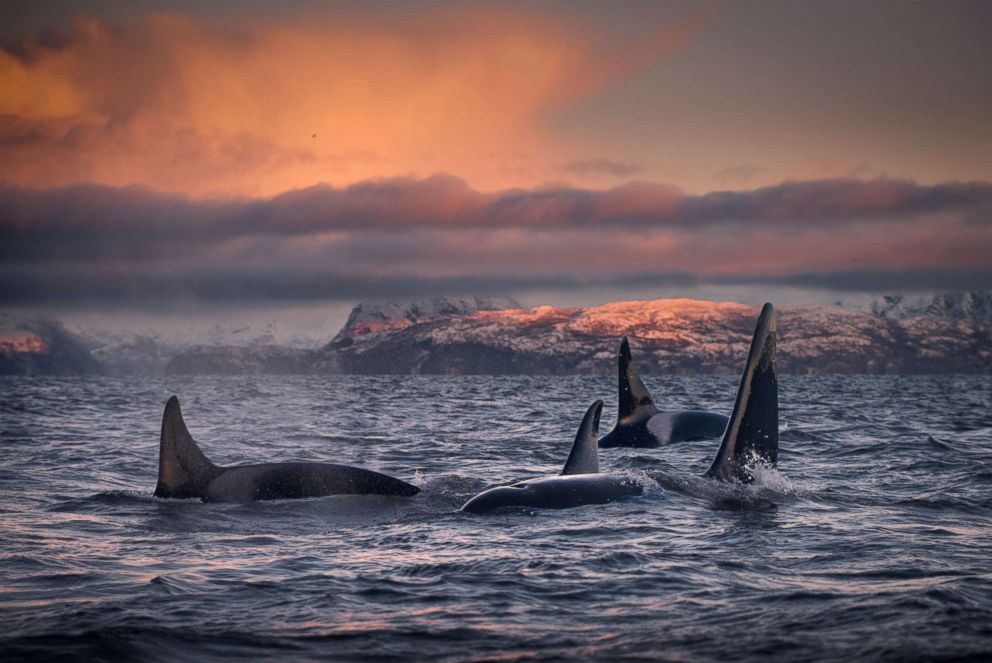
[{"x": 872, "y": 541}]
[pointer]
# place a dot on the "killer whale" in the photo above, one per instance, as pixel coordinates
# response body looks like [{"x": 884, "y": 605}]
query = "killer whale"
[
  {"x": 641, "y": 424},
  {"x": 185, "y": 472},
  {"x": 578, "y": 484},
  {"x": 751, "y": 437}
]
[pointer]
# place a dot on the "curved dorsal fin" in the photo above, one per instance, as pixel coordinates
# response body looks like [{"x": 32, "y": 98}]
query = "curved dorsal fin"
[
  {"x": 584, "y": 457},
  {"x": 752, "y": 433},
  {"x": 635, "y": 401},
  {"x": 183, "y": 470}
]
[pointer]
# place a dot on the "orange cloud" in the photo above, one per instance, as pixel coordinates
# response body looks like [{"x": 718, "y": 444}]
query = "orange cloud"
[{"x": 173, "y": 104}]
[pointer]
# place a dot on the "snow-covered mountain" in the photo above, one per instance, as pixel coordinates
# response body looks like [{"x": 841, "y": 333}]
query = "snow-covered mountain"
[
  {"x": 42, "y": 346},
  {"x": 380, "y": 317},
  {"x": 668, "y": 335},
  {"x": 672, "y": 336},
  {"x": 938, "y": 334},
  {"x": 974, "y": 305}
]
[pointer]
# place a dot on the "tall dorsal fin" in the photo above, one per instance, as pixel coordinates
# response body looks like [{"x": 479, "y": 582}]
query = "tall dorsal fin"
[
  {"x": 635, "y": 401},
  {"x": 183, "y": 470},
  {"x": 584, "y": 457},
  {"x": 752, "y": 433}
]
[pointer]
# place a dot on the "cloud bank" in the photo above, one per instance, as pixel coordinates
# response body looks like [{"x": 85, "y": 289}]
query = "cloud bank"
[{"x": 98, "y": 246}]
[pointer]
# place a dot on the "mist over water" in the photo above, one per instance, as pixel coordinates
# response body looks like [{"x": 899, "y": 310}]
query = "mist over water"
[{"x": 871, "y": 541}]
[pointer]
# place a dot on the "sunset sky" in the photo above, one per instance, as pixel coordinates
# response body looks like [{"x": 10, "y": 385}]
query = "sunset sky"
[{"x": 175, "y": 157}]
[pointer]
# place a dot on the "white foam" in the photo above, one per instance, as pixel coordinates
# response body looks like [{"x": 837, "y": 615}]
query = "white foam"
[
  {"x": 768, "y": 478},
  {"x": 647, "y": 482}
]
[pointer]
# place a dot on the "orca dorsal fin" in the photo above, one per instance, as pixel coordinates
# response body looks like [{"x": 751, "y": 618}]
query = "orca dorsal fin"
[
  {"x": 183, "y": 470},
  {"x": 752, "y": 432},
  {"x": 584, "y": 457},
  {"x": 635, "y": 401}
]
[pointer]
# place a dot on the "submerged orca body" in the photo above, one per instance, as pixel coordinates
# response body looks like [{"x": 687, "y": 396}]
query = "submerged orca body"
[
  {"x": 578, "y": 484},
  {"x": 185, "y": 472},
  {"x": 641, "y": 424},
  {"x": 751, "y": 438}
]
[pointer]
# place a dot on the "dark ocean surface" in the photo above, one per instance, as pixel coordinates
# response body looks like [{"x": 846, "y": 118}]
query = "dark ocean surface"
[{"x": 873, "y": 541}]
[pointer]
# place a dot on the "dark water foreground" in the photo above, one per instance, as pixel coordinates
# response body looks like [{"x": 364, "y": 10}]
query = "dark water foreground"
[{"x": 874, "y": 542}]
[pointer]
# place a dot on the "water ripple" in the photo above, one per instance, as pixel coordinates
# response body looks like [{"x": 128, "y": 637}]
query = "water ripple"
[{"x": 870, "y": 542}]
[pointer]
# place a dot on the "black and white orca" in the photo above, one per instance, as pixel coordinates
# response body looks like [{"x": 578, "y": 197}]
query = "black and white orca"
[
  {"x": 185, "y": 472},
  {"x": 641, "y": 424},
  {"x": 579, "y": 483}
]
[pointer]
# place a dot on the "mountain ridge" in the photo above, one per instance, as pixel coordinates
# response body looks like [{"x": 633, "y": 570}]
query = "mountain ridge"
[
  {"x": 944, "y": 333},
  {"x": 677, "y": 336}
]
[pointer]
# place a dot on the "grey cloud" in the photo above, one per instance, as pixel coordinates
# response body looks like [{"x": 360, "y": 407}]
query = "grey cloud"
[
  {"x": 99, "y": 246},
  {"x": 85, "y": 288},
  {"x": 86, "y": 213},
  {"x": 600, "y": 166},
  {"x": 882, "y": 281},
  {"x": 164, "y": 291}
]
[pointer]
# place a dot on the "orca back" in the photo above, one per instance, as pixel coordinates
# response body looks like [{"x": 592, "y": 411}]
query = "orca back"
[{"x": 294, "y": 480}]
